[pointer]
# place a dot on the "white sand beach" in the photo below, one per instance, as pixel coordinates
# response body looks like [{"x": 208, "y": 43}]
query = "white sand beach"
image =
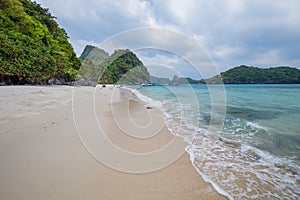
[{"x": 42, "y": 156}]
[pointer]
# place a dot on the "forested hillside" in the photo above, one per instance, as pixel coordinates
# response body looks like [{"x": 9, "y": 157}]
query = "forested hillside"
[
  {"x": 122, "y": 66},
  {"x": 254, "y": 75},
  {"x": 33, "y": 48}
]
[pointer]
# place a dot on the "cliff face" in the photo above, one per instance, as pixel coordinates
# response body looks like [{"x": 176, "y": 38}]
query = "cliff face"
[
  {"x": 93, "y": 53},
  {"x": 122, "y": 67}
]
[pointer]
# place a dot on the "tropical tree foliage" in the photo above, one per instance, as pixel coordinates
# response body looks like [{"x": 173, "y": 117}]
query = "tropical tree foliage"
[
  {"x": 121, "y": 67},
  {"x": 254, "y": 75},
  {"x": 33, "y": 48}
]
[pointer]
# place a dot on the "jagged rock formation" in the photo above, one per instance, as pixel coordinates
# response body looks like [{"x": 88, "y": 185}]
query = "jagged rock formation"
[{"x": 121, "y": 67}]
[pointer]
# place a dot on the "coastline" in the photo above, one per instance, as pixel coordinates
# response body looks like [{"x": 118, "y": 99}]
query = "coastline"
[{"x": 41, "y": 155}]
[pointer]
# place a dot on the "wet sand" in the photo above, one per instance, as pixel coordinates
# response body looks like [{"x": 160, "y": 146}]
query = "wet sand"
[{"x": 42, "y": 156}]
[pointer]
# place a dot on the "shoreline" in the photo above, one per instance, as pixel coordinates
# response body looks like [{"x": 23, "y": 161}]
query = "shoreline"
[
  {"x": 145, "y": 101},
  {"x": 41, "y": 155}
]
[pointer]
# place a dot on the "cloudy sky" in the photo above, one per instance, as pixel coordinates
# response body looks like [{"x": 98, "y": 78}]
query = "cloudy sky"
[{"x": 232, "y": 32}]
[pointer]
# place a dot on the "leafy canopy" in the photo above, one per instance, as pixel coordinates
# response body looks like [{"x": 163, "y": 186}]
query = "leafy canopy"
[
  {"x": 33, "y": 48},
  {"x": 122, "y": 66},
  {"x": 254, "y": 75}
]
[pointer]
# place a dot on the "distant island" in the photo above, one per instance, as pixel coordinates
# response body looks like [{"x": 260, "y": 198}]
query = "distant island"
[
  {"x": 175, "y": 81},
  {"x": 35, "y": 50},
  {"x": 242, "y": 75},
  {"x": 122, "y": 67},
  {"x": 254, "y": 75},
  {"x": 95, "y": 60}
]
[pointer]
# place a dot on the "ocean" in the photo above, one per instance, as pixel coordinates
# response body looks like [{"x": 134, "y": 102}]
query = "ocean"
[{"x": 247, "y": 145}]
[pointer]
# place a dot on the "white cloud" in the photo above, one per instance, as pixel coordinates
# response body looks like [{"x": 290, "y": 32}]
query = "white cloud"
[
  {"x": 79, "y": 45},
  {"x": 231, "y": 31},
  {"x": 202, "y": 39},
  {"x": 226, "y": 51},
  {"x": 168, "y": 61},
  {"x": 271, "y": 57},
  {"x": 161, "y": 65}
]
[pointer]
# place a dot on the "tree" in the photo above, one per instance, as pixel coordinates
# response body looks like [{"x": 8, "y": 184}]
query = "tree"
[{"x": 33, "y": 48}]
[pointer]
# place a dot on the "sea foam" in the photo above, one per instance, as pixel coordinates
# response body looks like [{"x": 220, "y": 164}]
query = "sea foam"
[{"x": 233, "y": 166}]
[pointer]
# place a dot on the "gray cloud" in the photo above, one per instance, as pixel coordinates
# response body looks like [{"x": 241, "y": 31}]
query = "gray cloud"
[{"x": 233, "y": 32}]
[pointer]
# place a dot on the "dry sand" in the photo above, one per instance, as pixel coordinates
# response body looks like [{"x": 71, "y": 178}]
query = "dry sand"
[{"x": 42, "y": 157}]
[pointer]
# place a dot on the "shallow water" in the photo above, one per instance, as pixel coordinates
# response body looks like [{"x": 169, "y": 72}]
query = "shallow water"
[{"x": 256, "y": 153}]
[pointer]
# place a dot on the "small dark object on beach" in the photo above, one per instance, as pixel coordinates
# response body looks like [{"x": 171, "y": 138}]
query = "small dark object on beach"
[
  {"x": 103, "y": 85},
  {"x": 54, "y": 81},
  {"x": 148, "y": 107}
]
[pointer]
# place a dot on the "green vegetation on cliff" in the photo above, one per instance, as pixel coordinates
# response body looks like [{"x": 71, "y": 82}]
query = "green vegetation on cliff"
[
  {"x": 93, "y": 62},
  {"x": 33, "y": 48},
  {"x": 254, "y": 75},
  {"x": 121, "y": 67},
  {"x": 93, "y": 54}
]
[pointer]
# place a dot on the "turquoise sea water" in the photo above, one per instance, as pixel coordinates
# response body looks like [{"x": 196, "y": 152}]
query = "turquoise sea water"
[{"x": 247, "y": 144}]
